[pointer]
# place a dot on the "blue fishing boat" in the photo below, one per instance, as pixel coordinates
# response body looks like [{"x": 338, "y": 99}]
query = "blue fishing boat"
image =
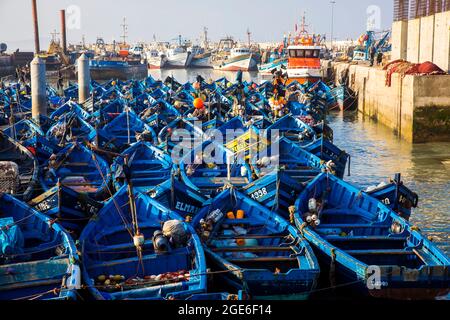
[
  {"x": 263, "y": 254},
  {"x": 69, "y": 107},
  {"x": 276, "y": 191},
  {"x": 38, "y": 259},
  {"x": 24, "y": 131},
  {"x": 210, "y": 166},
  {"x": 69, "y": 127},
  {"x": 71, "y": 209},
  {"x": 293, "y": 129},
  {"x": 126, "y": 241},
  {"x": 178, "y": 197},
  {"x": 218, "y": 296},
  {"x": 116, "y": 68},
  {"x": 148, "y": 166},
  {"x": 369, "y": 248},
  {"x": 327, "y": 151},
  {"x": 164, "y": 110},
  {"x": 79, "y": 168},
  {"x": 19, "y": 169},
  {"x": 396, "y": 195},
  {"x": 288, "y": 157},
  {"x": 124, "y": 130},
  {"x": 180, "y": 130}
]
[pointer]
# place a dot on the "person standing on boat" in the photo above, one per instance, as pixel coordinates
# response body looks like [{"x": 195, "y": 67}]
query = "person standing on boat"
[
  {"x": 372, "y": 53},
  {"x": 60, "y": 82},
  {"x": 379, "y": 58}
]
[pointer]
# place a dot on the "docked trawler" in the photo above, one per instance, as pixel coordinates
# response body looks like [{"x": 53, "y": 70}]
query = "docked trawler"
[
  {"x": 231, "y": 57},
  {"x": 304, "y": 57}
]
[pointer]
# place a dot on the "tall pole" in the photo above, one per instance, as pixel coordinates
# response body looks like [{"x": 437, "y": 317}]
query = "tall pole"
[
  {"x": 332, "y": 22},
  {"x": 38, "y": 89},
  {"x": 63, "y": 30},
  {"x": 37, "y": 48},
  {"x": 84, "y": 78}
]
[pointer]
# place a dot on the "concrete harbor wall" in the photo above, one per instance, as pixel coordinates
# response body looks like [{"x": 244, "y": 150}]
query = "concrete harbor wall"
[
  {"x": 423, "y": 39},
  {"x": 417, "y": 108}
]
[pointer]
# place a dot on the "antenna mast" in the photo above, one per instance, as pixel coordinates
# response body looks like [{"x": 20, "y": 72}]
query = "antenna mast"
[
  {"x": 205, "y": 37},
  {"x": 124, "y": 30},
  {"x": 249, "y": 35}
]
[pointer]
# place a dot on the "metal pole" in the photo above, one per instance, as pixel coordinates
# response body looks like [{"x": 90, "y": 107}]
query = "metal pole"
[
  {"x": 37, "y": 48},
  {"x": 84, "y": 78},
  {"x": 63, "y": 31},
  {"x": 38, "y": 88},
  {"x": 332, "y": 22}
]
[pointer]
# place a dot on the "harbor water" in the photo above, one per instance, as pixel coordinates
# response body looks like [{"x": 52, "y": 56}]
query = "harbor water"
[{"x": 376, "y": 155}]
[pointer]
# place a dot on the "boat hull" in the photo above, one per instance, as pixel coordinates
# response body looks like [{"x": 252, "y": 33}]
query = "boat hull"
[
  {"x": 156, "y": 63},
  {"x": 119, "y": 72},
  {"x": 303, "y": 75},
  {"x": 201, "y": 61},
  {"x": 178, "y": 61},
  {"x": 266, "y": 69},
  {"x": 241, "y": 63}
]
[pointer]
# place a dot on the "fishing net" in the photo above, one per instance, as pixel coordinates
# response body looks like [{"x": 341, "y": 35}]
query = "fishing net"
[
  {"x": 9, "y": 177},
  {"x": 176, "y": 232},
  {"x": 404, "y": 67}
]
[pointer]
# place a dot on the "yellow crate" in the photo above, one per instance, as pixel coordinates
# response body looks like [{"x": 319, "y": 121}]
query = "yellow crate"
[{"x": 246, "y": 142}]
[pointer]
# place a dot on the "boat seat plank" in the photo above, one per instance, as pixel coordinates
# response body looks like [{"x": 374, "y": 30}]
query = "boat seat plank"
[
  {"x": 263, "y": 259},
  {"x": 253, "y": 236},
  {"x": 336, "y": 238},
  {"x": 379, "y": 252},
  {"x": 251, "y": 249},
  {"x": 352, "y": 226}
]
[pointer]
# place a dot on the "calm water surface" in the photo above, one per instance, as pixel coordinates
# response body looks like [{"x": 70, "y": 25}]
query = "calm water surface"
[{"x": 377, "y": 154}]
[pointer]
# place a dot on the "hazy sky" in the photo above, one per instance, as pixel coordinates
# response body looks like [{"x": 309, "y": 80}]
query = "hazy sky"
[{"x": 268, "y": 20}]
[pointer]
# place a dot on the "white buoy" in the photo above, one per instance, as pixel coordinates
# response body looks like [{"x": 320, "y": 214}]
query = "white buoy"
[
  {"x": 84, "y": 78},
  {"x": 38, "y": 88}
]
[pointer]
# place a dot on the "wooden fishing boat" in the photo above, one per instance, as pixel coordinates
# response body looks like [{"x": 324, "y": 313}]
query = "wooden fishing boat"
[
  {"x": 369, "y": 248},
  {"x": 276, "y": 191},
  {"x": 69, "y": 107},
  {"x": 293, "y": 129},
  {"x": 165, "y": 112},
  {"x": 71, "y": 209},
  {"x": 180, "y": 130},
  {"x": 396, "y": 196},
  {"x": 38, "y": 259},
  {"x": 327, "y": 151},
  {"x": 262, "y": 252},
  {"x": 211, "y": 166},
  {"x": 178, "y": 197},
  {"x": 69, "y": 127},
  {"x": 19, "y": 168},
  {"x": 121, "y": 132},
  {"x": 79, "y": 168},
  {"x": 108, "y": 248},
  {"x": 288, "y": 157},
  {"x": 148, "y": 166},
  {"x": 23, "y": 131}
]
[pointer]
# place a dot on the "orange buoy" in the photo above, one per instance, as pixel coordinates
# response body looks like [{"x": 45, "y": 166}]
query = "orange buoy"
[
  {"x": 198, "y": 103},
  {"x": 240, "y": 214},
  {"x": 230, "y": 215},
  {"x": 240, "y": 242}
]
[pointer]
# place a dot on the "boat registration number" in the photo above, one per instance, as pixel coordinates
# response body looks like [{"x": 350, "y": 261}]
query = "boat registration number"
[{"x": 259, "y": 193}]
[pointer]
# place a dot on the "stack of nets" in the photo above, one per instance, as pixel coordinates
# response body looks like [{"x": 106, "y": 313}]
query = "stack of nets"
[
  {"x": 9, "y": 177},
  {"x": 404, "y": 67}
]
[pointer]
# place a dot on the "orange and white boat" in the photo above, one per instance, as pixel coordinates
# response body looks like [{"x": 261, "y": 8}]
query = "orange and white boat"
[{"x": 304, "y": 57}]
